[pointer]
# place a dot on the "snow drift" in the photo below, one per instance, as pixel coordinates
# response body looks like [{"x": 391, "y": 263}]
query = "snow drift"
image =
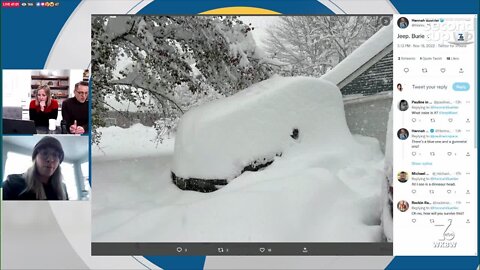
[
  {"x": 325, "y": 187},
  {"x": 305, "y": 196},
  {"x": 219, "y": 139}
]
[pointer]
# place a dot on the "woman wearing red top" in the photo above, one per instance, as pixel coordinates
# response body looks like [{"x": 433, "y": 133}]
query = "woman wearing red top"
[{"x": 43, "y": 107}]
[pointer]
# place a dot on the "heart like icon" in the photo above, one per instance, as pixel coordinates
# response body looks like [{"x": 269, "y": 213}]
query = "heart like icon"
[
  {"x": 443, "y": 70},
  {"x": 262, "y": 249},
  {"x": 406, "y": 70},
  {"x": 414, "y": 220},
  {"x": 449, "y": 153}
]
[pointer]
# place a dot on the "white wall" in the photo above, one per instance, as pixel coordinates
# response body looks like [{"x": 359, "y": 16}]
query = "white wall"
[
  {"x": 76, "y": 75},
  {"x": 46, "y": 72},
  {"x": 16, "y": 87}
]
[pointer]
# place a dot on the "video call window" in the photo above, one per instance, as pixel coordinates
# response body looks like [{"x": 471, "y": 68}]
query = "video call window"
[
  {"x": 45, "y": 102},
  {"x": 45, "y": 168}
]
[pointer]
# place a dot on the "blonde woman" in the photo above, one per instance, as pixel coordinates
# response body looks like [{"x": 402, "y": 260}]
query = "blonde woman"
[
  {"x": 43, "y": 107},
  {"x": 43, "y": 180}
]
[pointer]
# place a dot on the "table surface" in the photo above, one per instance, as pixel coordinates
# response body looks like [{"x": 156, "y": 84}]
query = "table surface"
[{"x": 45, "y": 130}]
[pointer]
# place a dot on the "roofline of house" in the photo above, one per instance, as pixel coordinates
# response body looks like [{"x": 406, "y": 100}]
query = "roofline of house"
[{"x": 366, "y": 66}]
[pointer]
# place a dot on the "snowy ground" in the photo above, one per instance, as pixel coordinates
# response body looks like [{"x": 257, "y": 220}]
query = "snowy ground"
[{"x": 312, "y": 197}]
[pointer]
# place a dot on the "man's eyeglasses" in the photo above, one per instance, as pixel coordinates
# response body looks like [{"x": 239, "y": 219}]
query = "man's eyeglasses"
[{"x": 45, "y": 154}]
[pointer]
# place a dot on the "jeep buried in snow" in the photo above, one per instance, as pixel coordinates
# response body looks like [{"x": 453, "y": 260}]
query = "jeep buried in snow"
[{"x": 273, "y": 119}]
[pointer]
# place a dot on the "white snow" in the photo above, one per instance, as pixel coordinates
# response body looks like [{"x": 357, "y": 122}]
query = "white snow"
[
  {"x": 291, "y": 201},
  {"x": 389, "y": 148},
  {"x": 118, "y": 143},
  {"x": 324, "y": 188},
  {"x": 217, "y": 140},
  {"x": 260, "y": 26},
  {"x": 242, "y": 45},
  {"x": 387, "y": 218},
  {"x": 316, "y": 197},
  {"x": 361, "y": 55}
]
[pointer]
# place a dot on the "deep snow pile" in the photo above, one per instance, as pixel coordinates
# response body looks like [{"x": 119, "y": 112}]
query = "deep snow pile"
[
  {"x": 326, "y": 187},
  {"x": 218, "y": 139},
  {"x": 387, "y": 217},
  {"x": 307, "y": 198},
  {"x": 136, "y": 141}
]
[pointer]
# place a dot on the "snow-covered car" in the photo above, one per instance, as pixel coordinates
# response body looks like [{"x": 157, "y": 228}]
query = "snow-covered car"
[
  {"x": 325, "y": 187},
  {"x": 218, "y": 141}
]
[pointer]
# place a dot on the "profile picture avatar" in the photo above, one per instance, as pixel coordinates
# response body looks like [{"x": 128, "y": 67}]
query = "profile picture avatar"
[
  {"x": 402, "y": 177},
  {"x": 403, "y": 105},
  {"x": 399, "y": 87},
  {"x": 402, "y": 134},
  {"x": 402, "y": 22},
  {"x": 402, "y": 206}
]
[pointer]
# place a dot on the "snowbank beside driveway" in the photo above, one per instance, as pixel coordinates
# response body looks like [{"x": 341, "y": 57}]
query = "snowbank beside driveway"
[
  {"x": 309, "y": 197},
  {"x": 136, "y": 141}
]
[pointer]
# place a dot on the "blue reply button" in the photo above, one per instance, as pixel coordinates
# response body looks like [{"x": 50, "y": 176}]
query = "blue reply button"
[{"x": 461, "y": 86}]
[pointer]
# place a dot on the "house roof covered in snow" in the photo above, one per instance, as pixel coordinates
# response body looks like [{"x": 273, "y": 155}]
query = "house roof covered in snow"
[{"x": 372, "y": 50}]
